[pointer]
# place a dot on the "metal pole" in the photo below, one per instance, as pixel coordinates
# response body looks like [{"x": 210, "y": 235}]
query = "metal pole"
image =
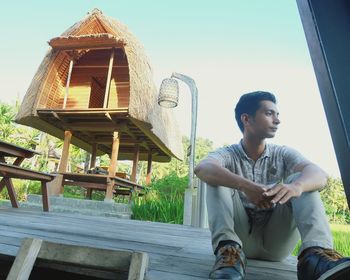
[
  {"x": 189, "y": 192},
  {"x": 194, "y": 92}
]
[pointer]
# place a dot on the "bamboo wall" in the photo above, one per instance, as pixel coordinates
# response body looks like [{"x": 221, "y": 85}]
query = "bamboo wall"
[{"x": 88, "y": 81}]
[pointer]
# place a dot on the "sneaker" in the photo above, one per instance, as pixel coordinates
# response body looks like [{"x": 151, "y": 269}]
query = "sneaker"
[
  {"x": 230, "y": 263},
  {"x": 323, "y": 264}
]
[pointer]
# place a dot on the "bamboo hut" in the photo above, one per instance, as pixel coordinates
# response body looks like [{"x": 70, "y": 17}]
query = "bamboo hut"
[{"x": 95, "y": 89}]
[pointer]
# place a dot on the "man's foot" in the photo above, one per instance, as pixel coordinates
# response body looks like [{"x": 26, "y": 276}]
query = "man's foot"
[
  {"x": 317, "y": 263},
  {"x": 230, "y": 263}
]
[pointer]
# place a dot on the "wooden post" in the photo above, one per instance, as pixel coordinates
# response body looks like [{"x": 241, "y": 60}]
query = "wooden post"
[
  {"x": 45, "y": 196},
  {"x": 25, "y": 259},
  {"x": 11, "y": 192},
  {"x": 112, "y": 166},
  {"x": 65, "y": 153},
  {"x": 92, "y": 165},
  {"x": 149, "y": 168},
  {"x": 135, "y": 162},
  {"x": 68, "y": 82},
  {"x": 108, "y": 82},
  {"x": 93, "y": 155},
  {"x": 138, "y": 266}
]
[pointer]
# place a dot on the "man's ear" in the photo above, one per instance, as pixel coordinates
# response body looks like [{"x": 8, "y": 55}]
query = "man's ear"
[{"x": 245, "y": 119}]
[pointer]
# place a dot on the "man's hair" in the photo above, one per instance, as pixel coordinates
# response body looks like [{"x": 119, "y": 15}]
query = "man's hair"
[{"x": 249, "y": 103}]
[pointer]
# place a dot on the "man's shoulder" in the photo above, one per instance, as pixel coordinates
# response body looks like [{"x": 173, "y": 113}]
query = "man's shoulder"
[
  {"x": 227, "y": 151},
  {"x": 233, "y": 148},
  {"x": 281, "y": 150},
  {"x": 276, "y": 147}
]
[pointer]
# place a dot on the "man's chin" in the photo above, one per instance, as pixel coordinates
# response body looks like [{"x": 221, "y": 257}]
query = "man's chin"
[{"x": 270, "y": 135}]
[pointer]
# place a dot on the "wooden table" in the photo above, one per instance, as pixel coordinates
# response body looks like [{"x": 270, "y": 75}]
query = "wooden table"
[
  {"x": 10, "y": 170},
  {"x": 100, "y": 182}
]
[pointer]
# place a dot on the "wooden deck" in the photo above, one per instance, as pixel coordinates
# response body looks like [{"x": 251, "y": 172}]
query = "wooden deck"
[{"x": 176, "y": 252}]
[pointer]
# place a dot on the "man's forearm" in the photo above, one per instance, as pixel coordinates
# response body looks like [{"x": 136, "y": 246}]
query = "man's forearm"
[{"x": 312, "y": 178}]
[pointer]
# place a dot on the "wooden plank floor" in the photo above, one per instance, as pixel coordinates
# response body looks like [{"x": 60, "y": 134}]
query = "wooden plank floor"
[{"x": 175, "y": 251}]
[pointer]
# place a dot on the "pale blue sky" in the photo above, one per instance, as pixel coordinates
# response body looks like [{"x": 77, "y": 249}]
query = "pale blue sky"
[{"x": 229, "y": 47}]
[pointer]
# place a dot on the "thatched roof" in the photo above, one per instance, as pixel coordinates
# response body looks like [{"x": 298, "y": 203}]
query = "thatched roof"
[{"x": 157, "y": 124}]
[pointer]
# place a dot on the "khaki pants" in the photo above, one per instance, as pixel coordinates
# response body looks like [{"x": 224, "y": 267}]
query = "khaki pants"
[{"x": 301, "y": 217}]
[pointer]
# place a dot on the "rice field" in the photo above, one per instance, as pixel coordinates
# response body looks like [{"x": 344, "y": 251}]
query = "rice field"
[{"x": 341, "y": 237}]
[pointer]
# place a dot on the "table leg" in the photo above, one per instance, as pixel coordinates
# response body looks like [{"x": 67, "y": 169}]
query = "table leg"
[
  {"x": 11, "y": 191},
  {"x": 18, "y": 161},
  {"x": 45, "y": 196},
  {"x": 88, "y": 193},
  {"x": 109, "y": 190}
]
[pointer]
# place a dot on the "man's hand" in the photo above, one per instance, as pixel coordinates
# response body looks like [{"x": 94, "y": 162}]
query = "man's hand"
[
  {"x": 281, "y": 193},
  {"x": 255, "y": 194}
]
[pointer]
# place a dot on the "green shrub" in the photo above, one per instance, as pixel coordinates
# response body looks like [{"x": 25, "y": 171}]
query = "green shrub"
[
  {"x": 162, "y": 201},
  {"x": 20, "y": 187},
  {"x": 334, "y": 199},
  {"x": 341, "y": 237}
]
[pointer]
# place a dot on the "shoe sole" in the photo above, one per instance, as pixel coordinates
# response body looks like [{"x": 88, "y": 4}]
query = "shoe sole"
[{"x": 337, "y": 273}]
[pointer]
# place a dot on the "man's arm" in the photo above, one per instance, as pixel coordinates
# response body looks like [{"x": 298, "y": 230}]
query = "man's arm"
[
  {"x": 312, "y": 178},
  {"x": 210, "y": 171}
]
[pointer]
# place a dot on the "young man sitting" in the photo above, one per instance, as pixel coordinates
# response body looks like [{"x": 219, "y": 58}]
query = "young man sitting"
[{"x": 262, "y": 198}]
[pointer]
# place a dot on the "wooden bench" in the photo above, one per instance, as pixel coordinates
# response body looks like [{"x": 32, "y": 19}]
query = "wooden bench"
[
  {"x": 9, "y": 171},
  {"x": 99, "y": 182}
]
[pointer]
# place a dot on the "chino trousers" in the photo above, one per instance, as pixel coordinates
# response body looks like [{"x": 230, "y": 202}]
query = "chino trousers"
[{"x": 303, "y": 217}]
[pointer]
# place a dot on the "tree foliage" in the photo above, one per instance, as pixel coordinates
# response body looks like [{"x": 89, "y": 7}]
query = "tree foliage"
[
  {"x": 175, "y": 166},
  {"x": 334, "y": 199}
]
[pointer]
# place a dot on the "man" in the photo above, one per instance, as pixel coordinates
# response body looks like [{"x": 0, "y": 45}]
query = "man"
[{"x": 262, "y": 198}]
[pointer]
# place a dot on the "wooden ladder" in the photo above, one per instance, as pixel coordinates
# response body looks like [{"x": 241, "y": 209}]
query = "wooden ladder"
[{"x": 132, "y": 264}]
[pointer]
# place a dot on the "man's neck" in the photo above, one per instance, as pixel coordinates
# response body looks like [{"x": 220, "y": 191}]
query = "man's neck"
[{"x": 253, "y": 147}]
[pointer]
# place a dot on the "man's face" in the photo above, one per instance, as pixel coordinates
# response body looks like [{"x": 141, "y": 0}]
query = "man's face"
[{"x": 265, "y": 122}]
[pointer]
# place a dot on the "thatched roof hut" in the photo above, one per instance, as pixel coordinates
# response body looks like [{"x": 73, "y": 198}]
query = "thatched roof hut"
[{"x": 94, "y": 80}]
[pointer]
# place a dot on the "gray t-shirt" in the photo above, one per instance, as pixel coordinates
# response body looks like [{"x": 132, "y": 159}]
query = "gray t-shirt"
[{"x": 274, "y": 166}]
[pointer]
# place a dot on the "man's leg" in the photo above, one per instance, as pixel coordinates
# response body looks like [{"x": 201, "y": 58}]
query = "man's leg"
[
  {"x": 225, "y": 212},
  {"x": 312, "y": 221},
  {"x": 280, "y": 235},
  {"x": 317, "y": 259}
]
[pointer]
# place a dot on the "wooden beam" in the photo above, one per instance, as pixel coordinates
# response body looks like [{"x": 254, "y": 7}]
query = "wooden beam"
[
  {"x": 65, "y": 153},
  {"x": 114, "y": 156},
  {"x": 135, "y": 162},
  {"x": 93, "y": 155},
  {"x": 93, "y": 126},
  {"x": 109, "y": 75},
  {"x": 45, "y": 196},
  {"x": 11, "y": 191},
  {"x": 56, "y": 116},
  {"x": 82, "y": 256},
  {"x": 68, "y": 82},
  {"x": 138, "y": 266},
  {"x": 103, "y": 66},
  {"x": 326, "y": 26},
  {"x": 25, "y": 259},
  {"x": 149, "y": 168},
  {"x": 113, "y": 165},
  {"x": 83, "y": 42}
]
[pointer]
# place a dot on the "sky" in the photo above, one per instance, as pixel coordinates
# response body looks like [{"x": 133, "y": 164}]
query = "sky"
[{"x": 229, "y": 47}]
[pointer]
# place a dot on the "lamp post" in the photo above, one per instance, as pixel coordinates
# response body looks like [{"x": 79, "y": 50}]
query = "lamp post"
[{"x": 168, "y": 97}]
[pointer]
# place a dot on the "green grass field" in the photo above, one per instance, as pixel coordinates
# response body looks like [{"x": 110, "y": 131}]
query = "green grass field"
[{"x": 341, "y": 236}]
